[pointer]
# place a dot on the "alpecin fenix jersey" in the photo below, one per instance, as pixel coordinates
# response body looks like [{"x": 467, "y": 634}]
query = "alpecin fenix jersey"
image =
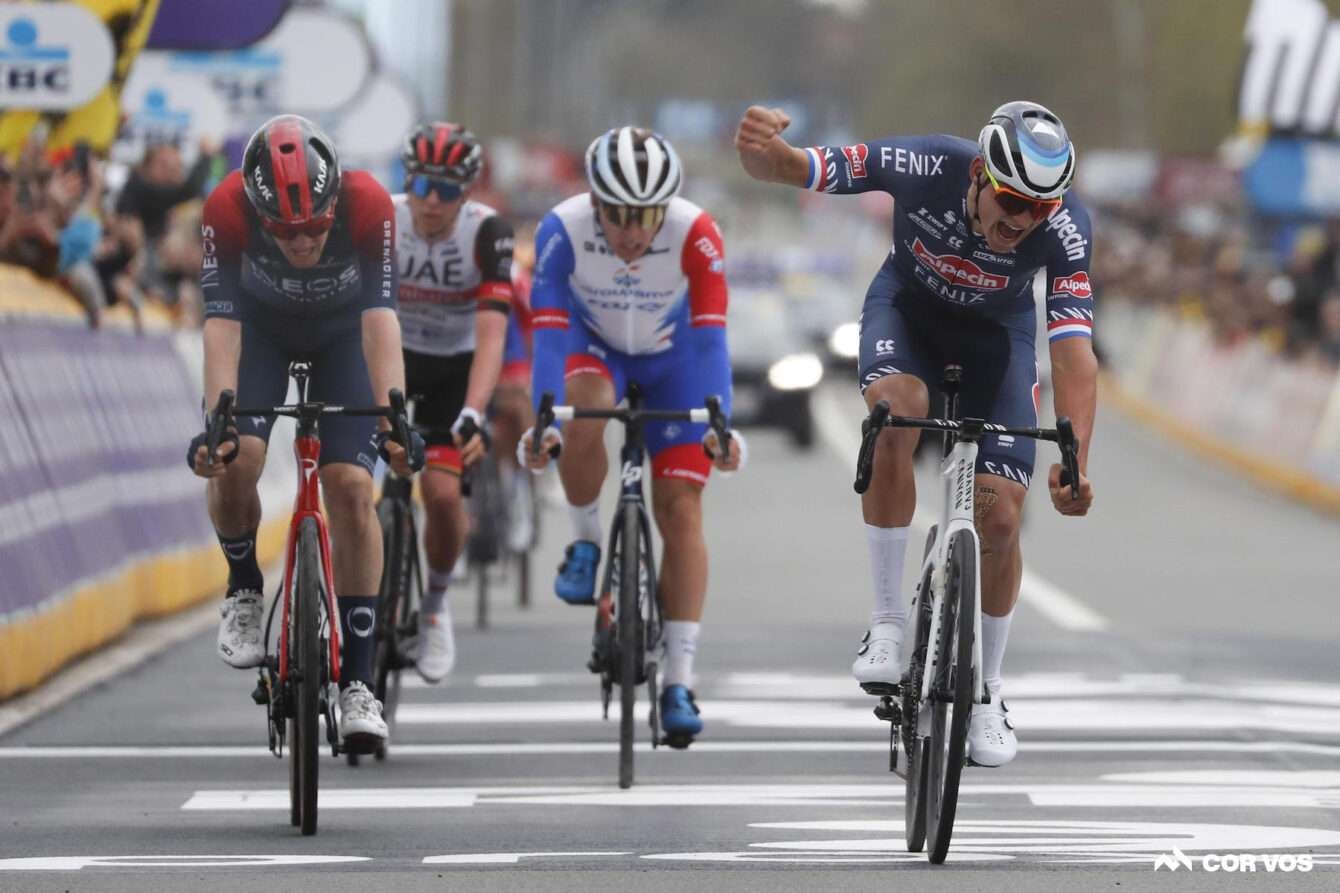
[
  {"x": 934, "y": 249},
  {"x": 444, "y": 282}
]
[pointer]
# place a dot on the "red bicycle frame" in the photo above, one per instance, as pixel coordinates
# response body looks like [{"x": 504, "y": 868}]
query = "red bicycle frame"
[{"x": 307, "y": 504}]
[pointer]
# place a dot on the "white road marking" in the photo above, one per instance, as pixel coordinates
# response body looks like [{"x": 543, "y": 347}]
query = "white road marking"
[
  {"x": 878, "y": 745},
  {"x": 1246, "y": 777},
  {"x": 873, "y": 794},
  {"x": 1065, "y": 837},
  {"x": 75, "y": 863},
  {"x": 840, "y": 428},
  {"x": 506, "y": 858},
  {"x": 1030, "y": 714}
]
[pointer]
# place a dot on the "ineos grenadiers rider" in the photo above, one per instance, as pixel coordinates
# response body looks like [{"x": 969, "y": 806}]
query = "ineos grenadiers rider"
[
  {"x": 973, "y": 224},
  {"x": 299, "y": 265}
]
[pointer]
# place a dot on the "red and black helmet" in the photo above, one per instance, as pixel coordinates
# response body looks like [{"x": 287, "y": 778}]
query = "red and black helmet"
[
  {"x": 443, "y": 150},
  {"x": 290, "y": 171}
]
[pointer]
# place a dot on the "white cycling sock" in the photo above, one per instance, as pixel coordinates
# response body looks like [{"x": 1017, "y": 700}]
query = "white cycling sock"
[
  {"x": 995, "y": 632},
  {"x": 680, "y": 640},
  {"x": 888, "y": 547},
  {"x": 435, "y": 597},
  {"x": 586, "y": 521}
]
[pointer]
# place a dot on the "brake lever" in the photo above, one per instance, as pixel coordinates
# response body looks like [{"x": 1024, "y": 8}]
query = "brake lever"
[
  {"x": 544, "y": 417},
  {"x": 219, "y": 421},
  {"x": 870, "y": 431},
  {"x": 398, "y": 416},
  {"x": 1069, "y": 455},
  {"x": 719, "y": 424}
]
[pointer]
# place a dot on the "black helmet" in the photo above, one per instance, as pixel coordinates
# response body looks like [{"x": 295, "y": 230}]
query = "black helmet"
[
  {"x": 443, "y": 150},
  {"x": 290, "y": 171}
]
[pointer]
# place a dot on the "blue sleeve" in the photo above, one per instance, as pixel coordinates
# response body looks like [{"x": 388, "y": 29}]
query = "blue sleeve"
[
  {"x": 887, "y": 165},
  {"x": 1069, "y": 291},
  {"x": 551, "y": 305},
  {"x": 713, "y": 360}
]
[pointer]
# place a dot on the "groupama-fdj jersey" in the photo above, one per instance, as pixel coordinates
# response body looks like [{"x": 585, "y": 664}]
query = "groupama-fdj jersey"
[
  {"x": 942, "y": 296},
  {"x": 659, "y": 321},
  {"x": 312, "y": 314}
]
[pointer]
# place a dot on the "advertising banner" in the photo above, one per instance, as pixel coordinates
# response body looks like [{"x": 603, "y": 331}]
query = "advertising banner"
[
  {"x": 52, "y": 56},
  {"x": 213, "y": 24},
  {"x": 91, "y": 478}
]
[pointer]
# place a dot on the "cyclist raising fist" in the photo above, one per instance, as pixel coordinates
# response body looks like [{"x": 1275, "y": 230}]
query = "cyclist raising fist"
[{"x": 973, "y": 223}]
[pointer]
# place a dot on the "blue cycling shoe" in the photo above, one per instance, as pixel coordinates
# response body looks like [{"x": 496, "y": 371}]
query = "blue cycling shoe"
[
  {"x": 679, "y": 716},
  {"x": 576, "y": 581}
]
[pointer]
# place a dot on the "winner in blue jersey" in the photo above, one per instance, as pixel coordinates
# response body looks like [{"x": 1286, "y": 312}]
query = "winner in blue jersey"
[{"x": 973, "y": 225}]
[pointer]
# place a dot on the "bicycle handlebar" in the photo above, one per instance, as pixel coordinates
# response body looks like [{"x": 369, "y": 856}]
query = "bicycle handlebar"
[
  {"x": 225, "y": 412},
  {"x": 1063, "y": 435},
  {"x": 709, "y": 414}
]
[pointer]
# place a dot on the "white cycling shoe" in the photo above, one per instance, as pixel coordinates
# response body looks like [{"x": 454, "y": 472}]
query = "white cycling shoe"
[
  {"x": 879, "y": 659},
  {"x": 362, "y": 728},
  {"x": 241, "y": 631},
  {"x": 991, "y": 740},
  {"x": 437, "y": 646}
]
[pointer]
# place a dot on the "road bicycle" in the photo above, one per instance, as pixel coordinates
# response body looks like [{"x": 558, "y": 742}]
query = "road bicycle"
[
  {"x": 929, "y": 709},
  {"x": 626, "y": 642},
  {"x": 300, "y": 684}
]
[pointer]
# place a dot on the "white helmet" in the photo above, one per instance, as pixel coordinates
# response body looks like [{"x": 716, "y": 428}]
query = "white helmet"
[
  {"x": 633, "y": 166},
  {"x": 1026, "y": 148}
]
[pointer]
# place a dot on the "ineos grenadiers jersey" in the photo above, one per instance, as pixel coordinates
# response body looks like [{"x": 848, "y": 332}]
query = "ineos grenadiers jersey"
[
  {"x": 934, "y": 248},
  {"x": 672, "y": 298},
  {"x": 443, "y": 282},
  {"x": 245, "y": 277}
]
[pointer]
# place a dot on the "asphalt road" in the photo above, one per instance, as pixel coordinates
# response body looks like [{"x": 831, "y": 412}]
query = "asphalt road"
[{"x": 1172, "y": 673}]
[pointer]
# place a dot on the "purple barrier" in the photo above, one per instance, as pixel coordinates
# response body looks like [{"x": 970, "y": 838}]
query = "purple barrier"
[{"x": 92, "y": 477}]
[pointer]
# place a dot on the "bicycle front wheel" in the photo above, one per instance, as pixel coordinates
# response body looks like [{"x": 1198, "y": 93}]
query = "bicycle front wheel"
[
  {"x": 951, "y": 692},
  {"x": 305, "y": 672},
  {"x": 630, "y": 651},
  {"x": 914, "y": 796}
]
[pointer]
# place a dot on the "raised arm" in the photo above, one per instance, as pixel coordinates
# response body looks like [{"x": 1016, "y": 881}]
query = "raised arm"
[{"x": 764, "y": 154}]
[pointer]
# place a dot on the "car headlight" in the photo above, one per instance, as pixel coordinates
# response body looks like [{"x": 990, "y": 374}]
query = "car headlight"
[
  {"x": 796, "y": 372},
  {"x": 845, "y": 341}
]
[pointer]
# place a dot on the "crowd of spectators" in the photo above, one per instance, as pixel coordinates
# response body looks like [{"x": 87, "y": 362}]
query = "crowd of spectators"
[
  {"x": 111, "y": 235},
  {"x": 1245, "y": 276}
]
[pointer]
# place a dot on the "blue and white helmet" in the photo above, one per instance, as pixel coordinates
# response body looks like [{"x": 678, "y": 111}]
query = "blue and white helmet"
[
  {"x": 1026, "y": 148},
  {"x": 633, "y": 166}
]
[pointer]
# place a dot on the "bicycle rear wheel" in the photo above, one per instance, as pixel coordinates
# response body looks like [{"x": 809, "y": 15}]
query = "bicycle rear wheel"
[
  {"x": 951, "y": 692},
  {"x": 304, "y": 674},
  {"x": 630, "y": 651}
]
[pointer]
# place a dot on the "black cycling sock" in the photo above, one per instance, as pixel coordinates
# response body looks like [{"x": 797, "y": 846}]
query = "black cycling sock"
[
  {"x": 358, "y": 624},
  {"x": 243, "y": 571}
]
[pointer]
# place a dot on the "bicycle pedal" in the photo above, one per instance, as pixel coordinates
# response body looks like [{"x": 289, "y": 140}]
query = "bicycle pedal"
[{"x": 881, "y": 689}]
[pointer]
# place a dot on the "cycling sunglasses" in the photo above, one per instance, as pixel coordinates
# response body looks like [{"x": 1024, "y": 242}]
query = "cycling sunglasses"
[
  {"x": 1012, "y": 202},
  {"x": 286, "y": 231},
  {"x": 623, "y": 216},
  {"x": 419, "y": 185}
]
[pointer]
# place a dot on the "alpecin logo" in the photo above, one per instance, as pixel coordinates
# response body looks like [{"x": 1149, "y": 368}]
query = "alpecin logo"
[
  {"x": 1076, "y": 284},
  {"x": 856, "y": 156},
  {"x": 958, "y": 270}
]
